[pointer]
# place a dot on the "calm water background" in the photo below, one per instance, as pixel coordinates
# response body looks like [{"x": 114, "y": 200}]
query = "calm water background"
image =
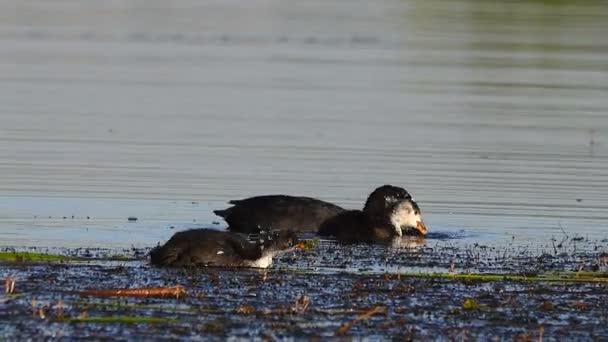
[{"x": 493, "y": 114}]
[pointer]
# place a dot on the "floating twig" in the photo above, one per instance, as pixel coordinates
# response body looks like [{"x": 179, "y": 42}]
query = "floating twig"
[
  {"x": 59, "y": 309},
  {"x": 176, "y": 291},
  {"x": 344, "y": 328},
  {"x": 34, "y": 307}
]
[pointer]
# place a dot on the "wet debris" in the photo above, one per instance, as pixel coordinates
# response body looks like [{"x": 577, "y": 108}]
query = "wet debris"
[
  {"x": 215, "y": 326},
  {"x": 9, "y": 285},
  {"x": 308, "y": 245},
  {"x": 546, "y": 306},
  {"x": 376, "y": 310},
  {"x": 59, "y": 309},
  {"x": 301, "y": 304},
  {"x": 246, "y": 310},
  {"x": 39, "y": 311}
]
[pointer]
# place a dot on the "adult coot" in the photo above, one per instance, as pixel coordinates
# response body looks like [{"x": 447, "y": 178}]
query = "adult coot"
[
  {"x": 382, "y": 225},
  {"x": 255, "y": 214},
  {"x": 301, "y": 214}
]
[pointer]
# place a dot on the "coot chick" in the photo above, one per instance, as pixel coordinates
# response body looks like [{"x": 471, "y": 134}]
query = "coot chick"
[
  {"x": 277, "y": 212},
  {"x": 208, "y": 247},
  {"x": 359, "y": 226}
]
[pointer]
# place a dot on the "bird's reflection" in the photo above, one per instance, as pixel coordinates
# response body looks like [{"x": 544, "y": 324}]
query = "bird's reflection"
[{"x": 407, "y": 242}]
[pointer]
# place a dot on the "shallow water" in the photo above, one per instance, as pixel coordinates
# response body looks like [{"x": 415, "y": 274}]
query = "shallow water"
[
  {"x": 494, "y": 115},
  {"x": 251, "y": 304}
]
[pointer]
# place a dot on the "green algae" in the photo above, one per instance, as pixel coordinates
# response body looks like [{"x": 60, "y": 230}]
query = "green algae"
[
  {"x": 43, "y": 257},
  {"x": 580, "y": 274},
  {"x": 34, "y": 257},
  {"x": 471, "y": 304},
  {"x": 309, "y": 244}
]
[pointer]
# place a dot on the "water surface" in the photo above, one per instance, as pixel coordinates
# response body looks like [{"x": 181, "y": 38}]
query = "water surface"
[{"x": 494, "y": 115}]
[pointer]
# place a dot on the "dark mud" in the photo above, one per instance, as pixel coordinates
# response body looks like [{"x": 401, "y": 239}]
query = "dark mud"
[{"x": 312, "y": 293}]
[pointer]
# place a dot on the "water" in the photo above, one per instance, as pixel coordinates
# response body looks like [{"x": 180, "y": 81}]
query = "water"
[{"x": 493, "y": 114}]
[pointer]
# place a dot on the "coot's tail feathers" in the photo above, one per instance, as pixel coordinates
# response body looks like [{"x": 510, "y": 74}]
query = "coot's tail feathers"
[
  {"x": 163, "y": 256},
  {"x": 222, "y": 213}
]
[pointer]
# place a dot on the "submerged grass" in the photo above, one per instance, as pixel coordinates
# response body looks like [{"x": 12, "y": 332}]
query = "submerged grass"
[
  {"x": 137, "y": 306},
  {"x": 119, "y": 257},
  {"x": 581, "y": 274},
  {"x": 34, "y": 257},
  {"x": 588, "y": 277},
  {"x": 559, "y": 276},
  {"x": 43, "y": 257},
  {"x": 121, "y": 319}
]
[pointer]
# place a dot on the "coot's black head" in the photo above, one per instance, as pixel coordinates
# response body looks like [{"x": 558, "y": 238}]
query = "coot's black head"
[
  {"x": 279, "y": 240},
  {"x": 383, "y": 199},
  {"x": 395, "y": 205}
]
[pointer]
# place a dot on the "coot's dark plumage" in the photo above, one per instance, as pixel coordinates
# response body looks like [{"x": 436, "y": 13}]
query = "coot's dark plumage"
[
  {"x": 277, "y": 212},
  {"x": 301, "y": 214},
  {"x": 383, "y": 198},
  {"x": 376, "y": 226},
  {"x": 208, "y": 247}
]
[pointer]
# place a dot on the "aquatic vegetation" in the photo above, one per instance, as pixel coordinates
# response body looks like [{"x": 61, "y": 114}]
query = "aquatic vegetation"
[
  {"x": 119, "y": 257},
  {"x": 121, "y": 319},
  {"x": 34, "y": 257},
  {"x": 470, "y": 304},
  {"x": 121, "y": 305},
  {"x": 309, "y": 244},
  {"x": 216, "y": 326},
  {"x": 588, "y": 277},
  {"x": 325, "y": 292}
]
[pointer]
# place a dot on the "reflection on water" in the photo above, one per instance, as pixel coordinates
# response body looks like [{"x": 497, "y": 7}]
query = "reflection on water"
[
  {"x": 493, "y": 114},
  {"x": 408, "y": 243}
]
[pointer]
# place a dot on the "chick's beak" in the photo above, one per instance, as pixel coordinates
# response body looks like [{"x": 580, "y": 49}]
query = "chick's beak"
[{"x": 421, "y": 228}]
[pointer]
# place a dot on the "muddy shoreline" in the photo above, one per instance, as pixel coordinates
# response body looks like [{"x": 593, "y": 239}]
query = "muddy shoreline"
[{"x": 315, "y": 293}]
